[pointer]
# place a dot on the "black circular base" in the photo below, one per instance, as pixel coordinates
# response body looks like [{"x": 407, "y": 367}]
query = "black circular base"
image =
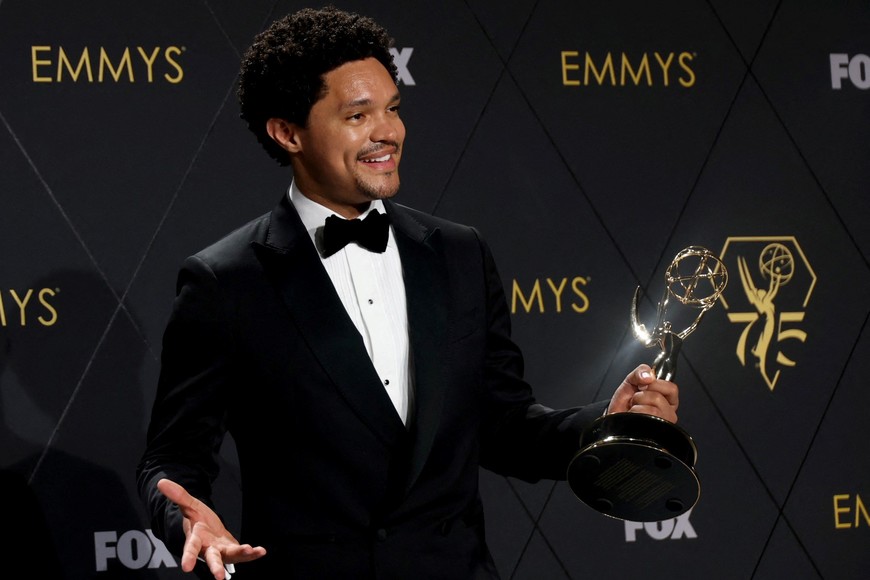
[{"x": 635, "y": 467}]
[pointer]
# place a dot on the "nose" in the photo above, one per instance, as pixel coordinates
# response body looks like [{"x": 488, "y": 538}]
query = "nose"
[{"x": 388, "y": 128}]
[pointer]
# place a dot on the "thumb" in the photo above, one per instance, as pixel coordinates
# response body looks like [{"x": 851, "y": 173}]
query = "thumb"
[
  {"x": 643, "y": 376},
  {"x": 173, "y": 491},
  {"x": 189, "y": 505}
]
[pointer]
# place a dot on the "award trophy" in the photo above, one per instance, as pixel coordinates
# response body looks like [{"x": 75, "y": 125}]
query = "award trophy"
[{"x": 639, "y": 467}]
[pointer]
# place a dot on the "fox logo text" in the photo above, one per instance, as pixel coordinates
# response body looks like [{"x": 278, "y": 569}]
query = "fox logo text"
[
  {"x": 134, "y": 549},
  {"x": 674, "y": 529},
  {"x": 855, "y": 69},
  {"x": 401, "y": 56}
]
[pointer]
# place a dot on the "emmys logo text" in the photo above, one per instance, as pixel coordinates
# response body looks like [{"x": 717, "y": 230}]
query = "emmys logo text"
[
  {"x": 855, "y": 69},
  {"x": 672, "y": 529},
  {"x": 134, "y": 549},
  {"x": 656, "y": 69},
  {"x": 56, "y": 64},
  {"x": 850, "y": 512},
  {"x": 561, "y": 293},
  {"x": 20, "y": 308},
  {"x": 776, "y": 283}
]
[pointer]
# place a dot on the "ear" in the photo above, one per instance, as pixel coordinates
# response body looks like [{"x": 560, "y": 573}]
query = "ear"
[{"x": 285, "y": 134}]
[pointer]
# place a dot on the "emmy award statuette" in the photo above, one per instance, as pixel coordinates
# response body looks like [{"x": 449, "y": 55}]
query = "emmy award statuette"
[{"x": 638, "y": 467}]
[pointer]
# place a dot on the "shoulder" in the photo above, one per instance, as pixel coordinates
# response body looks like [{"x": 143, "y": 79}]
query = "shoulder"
[
  {"x": 448, "y": 229},
  {"x": 235, "y": 246},
  {"x": 462, "y": 246}
]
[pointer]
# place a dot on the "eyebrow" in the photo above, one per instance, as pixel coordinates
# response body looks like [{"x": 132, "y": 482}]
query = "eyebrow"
[{"x": 366, "y": 101}]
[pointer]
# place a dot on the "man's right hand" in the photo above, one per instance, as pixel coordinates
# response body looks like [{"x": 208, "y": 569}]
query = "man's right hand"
[{"x": 205, "y": 534}]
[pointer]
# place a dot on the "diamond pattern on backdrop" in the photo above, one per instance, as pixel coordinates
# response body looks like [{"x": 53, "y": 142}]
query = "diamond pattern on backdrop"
[{"x": 108, "y": 185}]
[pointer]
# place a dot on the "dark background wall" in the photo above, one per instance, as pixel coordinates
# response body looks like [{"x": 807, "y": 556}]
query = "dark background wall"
[{"x": 589, "y": 141}]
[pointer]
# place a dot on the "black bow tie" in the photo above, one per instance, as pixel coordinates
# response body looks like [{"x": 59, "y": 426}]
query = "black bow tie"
[{"x": 371, "y": 233}]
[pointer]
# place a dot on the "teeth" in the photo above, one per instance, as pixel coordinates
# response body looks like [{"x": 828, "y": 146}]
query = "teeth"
[{"x": 378, "y": 159}]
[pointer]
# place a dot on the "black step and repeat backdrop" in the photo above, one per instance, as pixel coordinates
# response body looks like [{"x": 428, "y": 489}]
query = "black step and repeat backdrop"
[{"x": 589, "y": 141}]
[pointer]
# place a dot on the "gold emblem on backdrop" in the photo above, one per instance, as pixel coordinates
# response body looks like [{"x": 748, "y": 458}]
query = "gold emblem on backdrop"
[{"x": 775, "y": 285}]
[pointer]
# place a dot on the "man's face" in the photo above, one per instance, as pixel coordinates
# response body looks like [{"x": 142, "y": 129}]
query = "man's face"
[{"x": 349, "y": 153}]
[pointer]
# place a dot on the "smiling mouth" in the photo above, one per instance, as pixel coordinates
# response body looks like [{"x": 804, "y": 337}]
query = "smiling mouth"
[{"x": 380, "y": 159}]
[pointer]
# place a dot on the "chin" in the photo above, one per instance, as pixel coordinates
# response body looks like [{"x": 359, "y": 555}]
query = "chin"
[{"x": 380, "y": 192}]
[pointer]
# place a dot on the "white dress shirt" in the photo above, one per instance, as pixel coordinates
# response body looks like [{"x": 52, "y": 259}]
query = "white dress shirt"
[{"x": 372, "y": 290}]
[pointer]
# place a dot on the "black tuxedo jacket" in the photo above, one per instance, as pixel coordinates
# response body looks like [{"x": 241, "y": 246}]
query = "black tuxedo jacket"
[{"x": 334, "y": 485}]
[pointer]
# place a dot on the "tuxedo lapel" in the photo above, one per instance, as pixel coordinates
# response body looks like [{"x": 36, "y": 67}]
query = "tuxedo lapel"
[
  {"x": 290, "y": 259},
  {"x": 426, "y": 294}
]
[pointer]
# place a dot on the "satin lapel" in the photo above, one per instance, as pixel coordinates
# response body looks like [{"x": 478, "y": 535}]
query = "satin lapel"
[
  {"x": 426, "y": 291},
  {"x": 290, "y": 259}
]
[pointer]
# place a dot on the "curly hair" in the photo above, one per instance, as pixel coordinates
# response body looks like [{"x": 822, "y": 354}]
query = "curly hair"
[{"x": 282, "y": 72}]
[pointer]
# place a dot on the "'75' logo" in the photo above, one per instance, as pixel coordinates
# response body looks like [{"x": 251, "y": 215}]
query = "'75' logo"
[{"x": 777, "y": 282}]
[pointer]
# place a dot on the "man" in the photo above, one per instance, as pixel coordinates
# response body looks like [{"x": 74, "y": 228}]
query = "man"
[{"x": 363, "y": 388}]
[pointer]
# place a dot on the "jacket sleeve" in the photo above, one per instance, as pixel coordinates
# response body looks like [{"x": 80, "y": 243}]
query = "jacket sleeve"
[
  {"x": 521, "y": 437},
  {"x": 188, "y": 418}
]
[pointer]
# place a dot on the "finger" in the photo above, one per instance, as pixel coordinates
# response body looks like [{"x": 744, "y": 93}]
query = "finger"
[
  {"x": 215, "y": 562},
  {"x": 621, "y": 399},
  {"x": 190, "y": 552},
  {"x": 641, "y": 379},
  {"x": 653, "y": 403},
  {"x": 243, "y": 553},
  {"x": 667, "y": 389}
]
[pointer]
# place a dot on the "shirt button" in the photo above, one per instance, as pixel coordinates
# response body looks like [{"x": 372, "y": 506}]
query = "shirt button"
[
  {"x": 371, "y": 301},
  {"x": 386, "y": 381},
  {"x": 381, "y": 534}
]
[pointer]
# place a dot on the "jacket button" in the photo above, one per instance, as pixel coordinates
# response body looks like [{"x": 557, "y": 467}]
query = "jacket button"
[{"x": 381, "y": 534}]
